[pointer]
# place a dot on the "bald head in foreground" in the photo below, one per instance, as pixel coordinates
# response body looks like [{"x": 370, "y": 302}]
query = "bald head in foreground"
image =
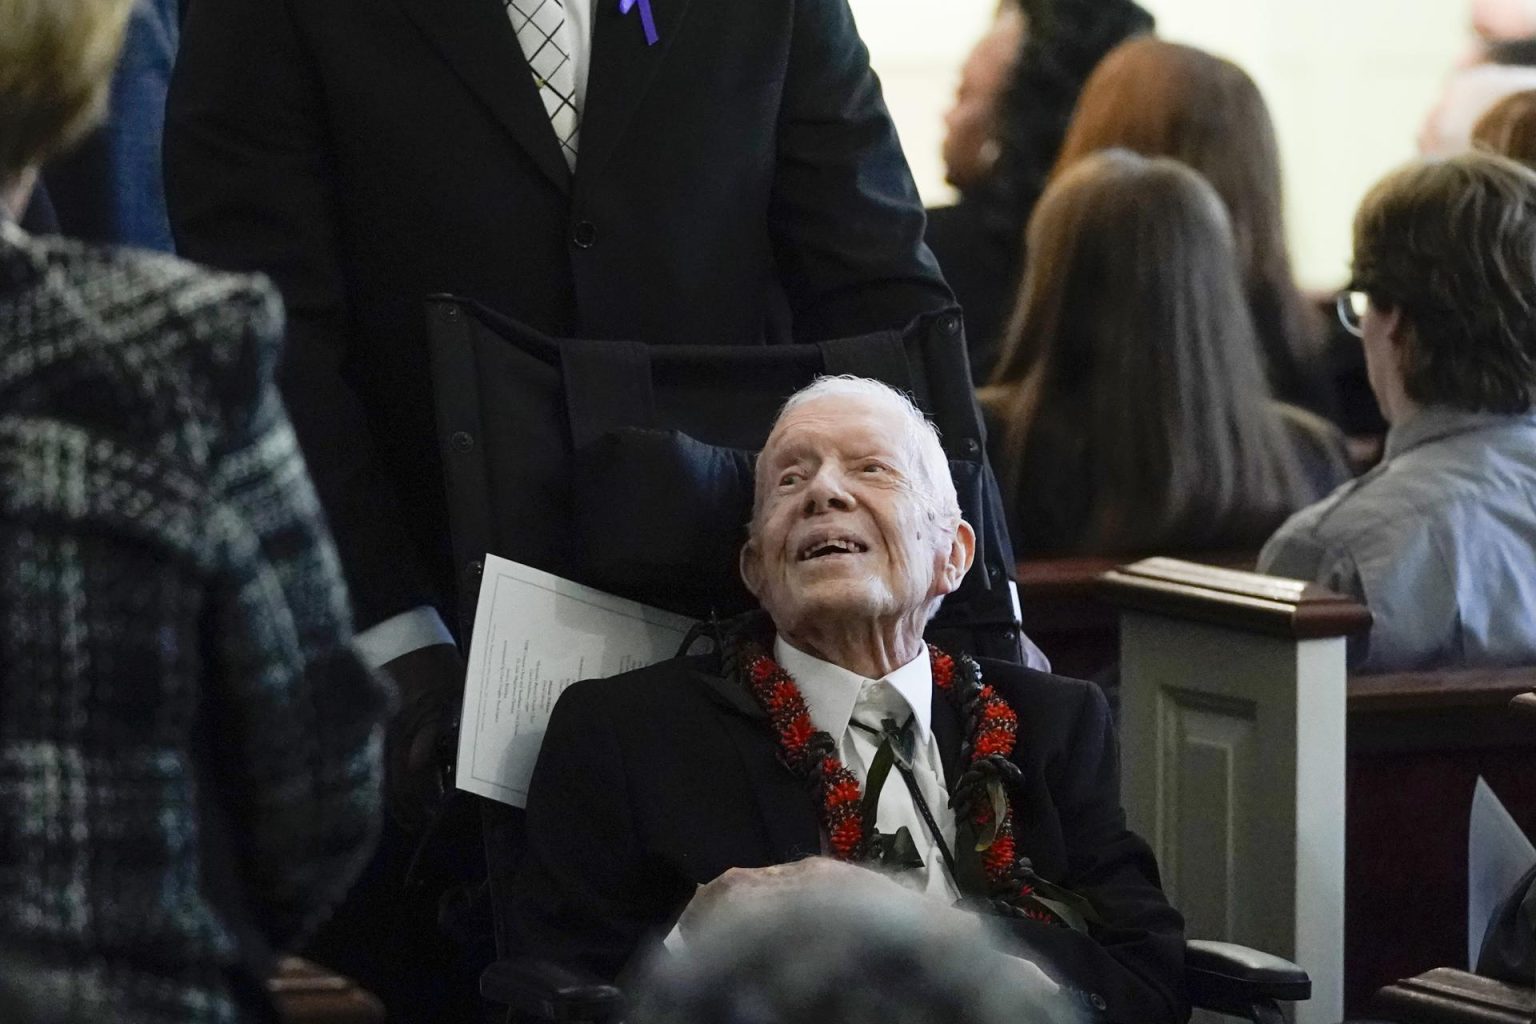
[{"x": 666, "y": 795}]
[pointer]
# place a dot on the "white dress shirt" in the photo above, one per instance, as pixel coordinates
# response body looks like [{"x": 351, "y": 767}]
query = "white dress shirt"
[
  {"x": 578, "y": 27},
  {"x": 834, "y": 696}
]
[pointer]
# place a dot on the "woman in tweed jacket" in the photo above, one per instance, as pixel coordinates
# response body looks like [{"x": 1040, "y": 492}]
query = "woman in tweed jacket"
[{"x": 189, "y": 749}]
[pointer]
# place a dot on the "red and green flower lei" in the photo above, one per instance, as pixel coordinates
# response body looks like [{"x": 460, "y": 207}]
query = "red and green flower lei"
[{"x": 993, "y": 728}]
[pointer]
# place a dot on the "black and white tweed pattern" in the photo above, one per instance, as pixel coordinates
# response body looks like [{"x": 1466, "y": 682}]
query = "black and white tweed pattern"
[{"x": 182, "y": 718}]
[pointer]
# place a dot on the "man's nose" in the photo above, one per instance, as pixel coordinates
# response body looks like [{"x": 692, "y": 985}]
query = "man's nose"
[{"x": 828, "y": 491}]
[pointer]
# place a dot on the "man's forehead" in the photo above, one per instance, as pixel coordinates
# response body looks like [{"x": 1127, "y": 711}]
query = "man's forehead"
[{"x": 844, "y": 420}]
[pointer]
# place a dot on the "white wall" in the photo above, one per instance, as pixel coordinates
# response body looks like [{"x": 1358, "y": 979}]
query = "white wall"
[{"x": 1348, "y": 82}]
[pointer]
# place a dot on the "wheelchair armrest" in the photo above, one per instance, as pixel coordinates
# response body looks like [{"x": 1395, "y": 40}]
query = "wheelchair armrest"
[
  {"x": 546, "y": 991},
  {"x": 1226, "y": 977}
]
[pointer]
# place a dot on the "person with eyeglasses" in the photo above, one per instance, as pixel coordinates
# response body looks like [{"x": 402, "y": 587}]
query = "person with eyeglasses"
[{"x": 1439, "y": 540}]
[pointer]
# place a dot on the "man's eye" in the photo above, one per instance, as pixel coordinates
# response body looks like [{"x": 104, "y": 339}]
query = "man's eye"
[
  {"x": 875, "y": 467},
  {"x": 789, "y": 479}
]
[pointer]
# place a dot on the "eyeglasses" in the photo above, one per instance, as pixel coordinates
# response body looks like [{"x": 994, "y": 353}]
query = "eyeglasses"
[{"x": 1351, "y": 309}]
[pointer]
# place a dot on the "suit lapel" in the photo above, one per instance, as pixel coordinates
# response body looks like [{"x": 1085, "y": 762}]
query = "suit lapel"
[
  {"x": 475, "y": 37},
  {"x": 945, "y": 722},
  {"x": 622, "y": 68},
  {"x": 787, "y": 811}
]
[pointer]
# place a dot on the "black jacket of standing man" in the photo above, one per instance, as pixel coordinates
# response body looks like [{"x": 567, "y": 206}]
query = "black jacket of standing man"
[{"x": 739, "y": 181}]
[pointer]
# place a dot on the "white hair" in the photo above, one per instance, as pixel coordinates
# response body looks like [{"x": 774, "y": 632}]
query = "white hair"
[
  {"x": 923, "y": 435},
  {"x": 848, "y": 953}
]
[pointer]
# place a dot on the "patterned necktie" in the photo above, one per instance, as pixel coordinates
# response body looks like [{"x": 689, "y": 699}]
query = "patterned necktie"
[
  {"x": 897, "y": 809},
  {"x": 541, "y": 32}
]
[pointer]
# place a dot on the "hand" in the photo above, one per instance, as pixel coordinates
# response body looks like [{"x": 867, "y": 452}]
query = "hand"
[
  {"x": 417, "y": 744},
  {"x": 743, "y": 889}
]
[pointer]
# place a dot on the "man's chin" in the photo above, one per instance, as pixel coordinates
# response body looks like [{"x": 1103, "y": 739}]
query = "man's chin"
[{"x": 830, "y": 601}]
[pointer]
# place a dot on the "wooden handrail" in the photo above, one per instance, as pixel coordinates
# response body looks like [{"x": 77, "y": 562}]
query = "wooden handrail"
[
  {"x": 1052, "y": 578},
  {"x": 305, "y": 993},
  {"x": 1449, "y": 996},
  {"x": 1444, "y": 688},
  {"x": 1078, "y": 575},
  {"x": 1228, "y": 597}
]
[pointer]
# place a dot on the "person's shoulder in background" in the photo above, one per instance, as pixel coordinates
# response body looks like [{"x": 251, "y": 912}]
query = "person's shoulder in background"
[
  {"x": 1320, "y": 448},
  {"x": 147, "y": 347}
]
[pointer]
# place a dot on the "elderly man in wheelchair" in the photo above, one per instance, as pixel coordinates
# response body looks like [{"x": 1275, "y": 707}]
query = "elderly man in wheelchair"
[{"x": 825, "y": 736}]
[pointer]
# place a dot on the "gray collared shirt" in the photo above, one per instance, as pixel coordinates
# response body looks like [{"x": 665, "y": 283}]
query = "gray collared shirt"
[{"x": 1439, "y": 541}]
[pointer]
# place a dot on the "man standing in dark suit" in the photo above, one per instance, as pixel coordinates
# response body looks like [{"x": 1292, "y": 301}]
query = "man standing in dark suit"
[
  {"x": 666, "y": 791},
  {"x": 685, "y": 171}
]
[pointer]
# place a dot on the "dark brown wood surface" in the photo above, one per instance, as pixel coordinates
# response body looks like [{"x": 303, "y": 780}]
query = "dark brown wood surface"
[
  {"x": 1424, "y": 691},
  {"x": 1417, "y": 744},
  {"x": 1447, "y": 996},
  {"x": 306, "y": 993},
  {"x": 1228, "y": 597},
  {"x": 1064, "y": 610}
]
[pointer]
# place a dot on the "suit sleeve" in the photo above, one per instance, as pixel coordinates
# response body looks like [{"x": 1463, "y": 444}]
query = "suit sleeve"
[
  {"x": 1131, "y": 968},
  {"x": 846, "y": 219},
  {"x": 251, "y": 187},
  {"x": 299, "y": 724},
  {"x": 583, "y": 895}
]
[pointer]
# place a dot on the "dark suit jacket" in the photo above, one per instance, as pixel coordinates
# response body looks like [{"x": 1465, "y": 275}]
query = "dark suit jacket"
[
  {"x": 655, "y": 781},
  {"x": 984, "y": 266},
  {"x": 189, "y": 746},
  {"x": 738, "y": 182},
  {"x": 109, "y": 188}
]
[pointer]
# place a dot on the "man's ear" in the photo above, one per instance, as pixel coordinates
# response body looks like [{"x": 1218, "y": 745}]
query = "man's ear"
[
  {"x": 750, "y": 564},
  {"x": 962, "y": 552}
]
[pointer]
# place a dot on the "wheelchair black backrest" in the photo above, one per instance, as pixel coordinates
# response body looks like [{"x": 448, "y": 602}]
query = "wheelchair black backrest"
[{"x": 628, "y": 467}]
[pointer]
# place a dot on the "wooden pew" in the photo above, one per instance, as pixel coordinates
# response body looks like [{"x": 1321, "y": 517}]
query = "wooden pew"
[
  {"x": 1232, "y": 728},
  {"x": 306, "y": 993},
  {"x": 1064, "y": 611},
  {"x": 1448, "y": 996},
  {"x": 1417, "y": 743}
]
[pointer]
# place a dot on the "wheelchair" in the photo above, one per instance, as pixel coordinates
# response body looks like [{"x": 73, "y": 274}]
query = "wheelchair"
[{"x": 536, "y": 431}]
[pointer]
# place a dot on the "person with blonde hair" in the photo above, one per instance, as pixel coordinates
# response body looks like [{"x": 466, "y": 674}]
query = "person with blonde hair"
[
  {"x": 55, "y": 63},
  {"x": 189, "y": 746}
]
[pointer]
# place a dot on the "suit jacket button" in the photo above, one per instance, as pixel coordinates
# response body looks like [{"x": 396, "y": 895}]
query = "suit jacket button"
[{"x": 584, "y": 235}]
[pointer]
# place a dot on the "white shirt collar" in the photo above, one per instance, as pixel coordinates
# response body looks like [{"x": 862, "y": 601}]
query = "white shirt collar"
[{"x": 831, "y": 691}]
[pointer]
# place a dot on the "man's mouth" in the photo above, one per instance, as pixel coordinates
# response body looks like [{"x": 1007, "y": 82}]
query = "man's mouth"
[{"x": 827, "y": 547}]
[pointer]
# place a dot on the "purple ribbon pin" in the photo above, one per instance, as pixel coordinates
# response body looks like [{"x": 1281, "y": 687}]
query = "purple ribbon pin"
[{"x": 646, "y": 20}]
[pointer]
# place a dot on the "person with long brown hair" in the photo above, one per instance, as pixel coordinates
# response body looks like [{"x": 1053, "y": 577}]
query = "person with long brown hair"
[
  {"x": 1159, "y": 98},
  {"x": 1130, "y": 410},
  {"x": 1004, "y": 133}
]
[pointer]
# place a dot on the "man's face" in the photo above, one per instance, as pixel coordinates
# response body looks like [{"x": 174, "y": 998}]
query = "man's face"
[{"x": 845, "y": 524}]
